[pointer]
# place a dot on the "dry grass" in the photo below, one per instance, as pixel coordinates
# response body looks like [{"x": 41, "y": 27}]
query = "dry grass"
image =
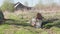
[
  {"x": 32, "y": 13},
  {"x": 17, "y": 29}
]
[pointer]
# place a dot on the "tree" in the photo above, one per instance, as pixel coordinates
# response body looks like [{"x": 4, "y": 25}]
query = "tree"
[
  {"x": 7, "y": 5},
  {"x": 50, "y": 2},
  {"x": 39, "y": 5},
  {"x": 26, "y": 3}
]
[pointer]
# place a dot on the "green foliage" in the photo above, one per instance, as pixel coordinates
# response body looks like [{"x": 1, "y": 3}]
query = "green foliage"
[
  {"x": 48, "y": 25},
  {"x": 7, "y": 5},
  {"x": 51, "y": 24}
]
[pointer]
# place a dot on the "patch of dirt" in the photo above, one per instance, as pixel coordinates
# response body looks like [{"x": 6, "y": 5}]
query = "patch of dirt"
[{"x": 49, "y": 31}]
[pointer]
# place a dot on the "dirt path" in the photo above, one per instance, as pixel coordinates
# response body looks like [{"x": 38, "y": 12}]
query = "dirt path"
[{"x": 49, "y": 31}]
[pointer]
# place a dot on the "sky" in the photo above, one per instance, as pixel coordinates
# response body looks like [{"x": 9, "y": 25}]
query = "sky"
[{"x": 31, "y": 2}]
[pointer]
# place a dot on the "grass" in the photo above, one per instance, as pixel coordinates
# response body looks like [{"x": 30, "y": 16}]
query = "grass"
[
  {"x": 17, "y": 25},
  {"x": 56, "y": 30},
  {"x": 16, "y": 29},
  {"x": 12, "y": 29},
  {"x": 21, "y": 27}
]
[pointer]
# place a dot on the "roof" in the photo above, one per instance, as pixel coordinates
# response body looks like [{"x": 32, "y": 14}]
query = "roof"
[{"x": 19, "y": 6}]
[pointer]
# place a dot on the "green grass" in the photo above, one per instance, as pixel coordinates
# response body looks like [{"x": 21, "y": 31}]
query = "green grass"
[
  {"x": 56, "y": 30},
  {"x": 17, "y": 29},
  {"x": 13, "y": 29},
  {"x": 17, "y": 25}
]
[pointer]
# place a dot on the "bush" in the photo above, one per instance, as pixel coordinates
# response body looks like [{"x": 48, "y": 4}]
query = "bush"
[{"x": 51, "y": 24}]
